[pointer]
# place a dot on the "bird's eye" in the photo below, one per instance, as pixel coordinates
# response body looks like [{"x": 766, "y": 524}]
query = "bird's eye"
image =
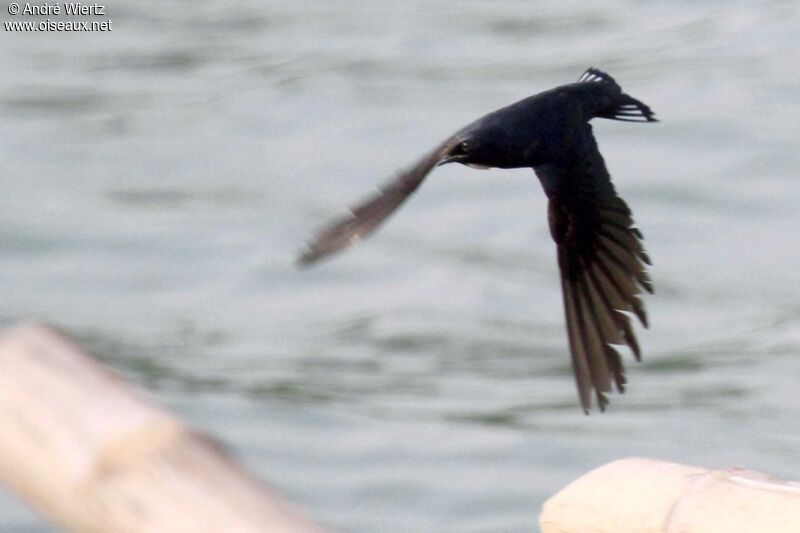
[{"x": 465, "y": 146}]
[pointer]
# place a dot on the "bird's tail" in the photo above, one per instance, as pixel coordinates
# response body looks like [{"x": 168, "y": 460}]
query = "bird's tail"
[
  {"x": 617, "y": 105},
  {"x": 628, "y": 109}
]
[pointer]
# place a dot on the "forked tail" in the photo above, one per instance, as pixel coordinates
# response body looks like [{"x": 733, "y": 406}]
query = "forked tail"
[{"x": 614, "y": 104}]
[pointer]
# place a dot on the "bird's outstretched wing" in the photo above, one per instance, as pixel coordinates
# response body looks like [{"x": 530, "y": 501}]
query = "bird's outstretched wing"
[
  {"x": 369, "y": 214},
  {"x": 602, "y": 265}
]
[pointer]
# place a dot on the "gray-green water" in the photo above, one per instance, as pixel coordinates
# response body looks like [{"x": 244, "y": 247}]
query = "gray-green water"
[{"x": 157, "y": 181}]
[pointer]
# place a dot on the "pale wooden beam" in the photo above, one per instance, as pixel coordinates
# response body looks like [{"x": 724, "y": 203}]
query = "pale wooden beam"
[
  {"x": 647, "y": 496},
  {"x": 95, "y": 455}
]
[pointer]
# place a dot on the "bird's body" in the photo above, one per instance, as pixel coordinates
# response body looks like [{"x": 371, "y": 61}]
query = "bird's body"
[{"x": 600, "y": 255}]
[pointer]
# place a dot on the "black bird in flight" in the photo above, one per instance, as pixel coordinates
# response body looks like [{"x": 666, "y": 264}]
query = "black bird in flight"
[{"x": 600, "y": 253}]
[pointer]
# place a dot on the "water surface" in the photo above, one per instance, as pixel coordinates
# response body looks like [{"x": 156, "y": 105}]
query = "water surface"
[{"x": 158, "y": 180}]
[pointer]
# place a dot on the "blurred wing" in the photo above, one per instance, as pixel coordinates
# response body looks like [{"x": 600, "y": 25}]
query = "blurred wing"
[
  {"x": 368, "y": 215},
  {"x": 602, "y": 265}
]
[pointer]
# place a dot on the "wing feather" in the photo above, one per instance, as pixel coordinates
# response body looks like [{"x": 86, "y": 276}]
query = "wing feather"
[
  {"x": 370, "y": 213},
  {"x": 580, "y": 358},
  {"x": 603, "y": 268}
]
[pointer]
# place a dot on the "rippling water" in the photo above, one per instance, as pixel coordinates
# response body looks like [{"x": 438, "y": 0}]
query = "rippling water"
[{"x": 158, "y": 180}]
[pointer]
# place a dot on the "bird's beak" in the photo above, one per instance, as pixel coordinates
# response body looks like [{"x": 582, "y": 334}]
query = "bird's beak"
[{"x": 451, "y": 158}]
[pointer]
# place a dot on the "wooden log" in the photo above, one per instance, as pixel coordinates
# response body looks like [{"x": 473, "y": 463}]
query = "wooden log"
[
  {"x": 94, "y": 455},
  {"x": 647, "y": 496}
]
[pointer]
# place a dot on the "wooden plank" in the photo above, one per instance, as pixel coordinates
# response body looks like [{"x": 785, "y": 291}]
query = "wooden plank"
[
  {"x": 95, "y": 455},
  {"x": 647, "y": 496}
]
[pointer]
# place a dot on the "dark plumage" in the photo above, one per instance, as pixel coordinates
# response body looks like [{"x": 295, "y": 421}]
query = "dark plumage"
[{"x": 600, "y": 253}]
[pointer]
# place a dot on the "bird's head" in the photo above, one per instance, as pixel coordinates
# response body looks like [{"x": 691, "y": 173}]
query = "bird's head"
[
  {"x": 465, "y": 151},
  {"x": 481, "y": 148}
]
